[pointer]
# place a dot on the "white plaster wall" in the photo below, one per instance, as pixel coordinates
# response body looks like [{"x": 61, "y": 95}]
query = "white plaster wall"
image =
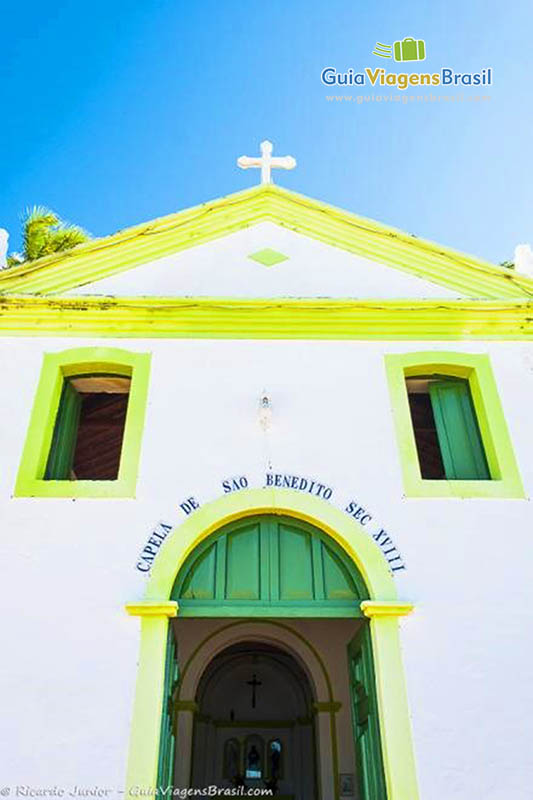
[
  {"x": 70, "y": 652},
  {"x": 313, "y": 269}
]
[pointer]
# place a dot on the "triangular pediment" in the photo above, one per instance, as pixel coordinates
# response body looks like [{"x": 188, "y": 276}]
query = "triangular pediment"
[
  {"x": 265, "y": 260},
  {"x": 265, "y": 242}
]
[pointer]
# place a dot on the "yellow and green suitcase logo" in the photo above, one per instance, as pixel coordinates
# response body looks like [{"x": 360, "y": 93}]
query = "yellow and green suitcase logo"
[{"x": 409, "y": 49}]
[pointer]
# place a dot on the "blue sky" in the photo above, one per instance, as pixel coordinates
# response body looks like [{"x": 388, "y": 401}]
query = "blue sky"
[{"x": 114, "y": 113}]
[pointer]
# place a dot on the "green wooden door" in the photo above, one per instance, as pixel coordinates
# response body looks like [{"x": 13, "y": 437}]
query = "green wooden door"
[
  {"x": 272, "y": 566},
  {"x": 365, "y": 717},
  {"x": 167, "y": 743},
  {"x": 460, "y": 441}
]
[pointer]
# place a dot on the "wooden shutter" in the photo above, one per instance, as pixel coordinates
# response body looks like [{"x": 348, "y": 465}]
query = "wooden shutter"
[
  {"x": 365, "y": 718},
  {"x": 61, "y": 455},
  {"x": 458, "y": 432}
]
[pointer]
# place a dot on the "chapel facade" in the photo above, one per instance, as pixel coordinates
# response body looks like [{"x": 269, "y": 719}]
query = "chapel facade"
[{"x": 267, "y": 468}]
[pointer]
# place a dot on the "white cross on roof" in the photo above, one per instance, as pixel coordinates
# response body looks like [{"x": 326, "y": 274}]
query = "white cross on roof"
[{"x": 267, "y": 162}]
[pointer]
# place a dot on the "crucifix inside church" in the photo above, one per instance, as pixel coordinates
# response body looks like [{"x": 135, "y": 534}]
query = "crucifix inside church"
[{"x": 254, "y": 683}]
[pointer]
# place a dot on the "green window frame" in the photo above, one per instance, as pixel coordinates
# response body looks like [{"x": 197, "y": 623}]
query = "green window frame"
[
  {"x": 56, "y": 369},
  {"x": 476, "y": 406}
]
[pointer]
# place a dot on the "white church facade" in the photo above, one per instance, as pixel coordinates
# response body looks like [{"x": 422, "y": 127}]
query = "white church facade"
[{"x": 267, "y": 468}]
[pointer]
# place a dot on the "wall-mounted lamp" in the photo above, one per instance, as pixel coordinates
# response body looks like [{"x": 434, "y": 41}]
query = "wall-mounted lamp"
[{"x": 265, "y": 411}]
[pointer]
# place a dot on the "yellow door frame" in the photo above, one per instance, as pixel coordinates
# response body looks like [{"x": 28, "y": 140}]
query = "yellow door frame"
[{"x": 383, "y": 609}]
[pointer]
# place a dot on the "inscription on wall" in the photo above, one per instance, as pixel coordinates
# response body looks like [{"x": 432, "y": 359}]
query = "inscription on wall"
[
  {"x": 379, "y": 535},
  {"x": 282, "y": 480},
  {"x": 307, "y": 485},
  {"x": 234, "y": 484},
  {"x": 151, "y": 548}
]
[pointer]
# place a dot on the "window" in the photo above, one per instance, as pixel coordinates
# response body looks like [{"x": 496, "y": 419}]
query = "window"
[
  {"x": 451, "y": 430},
  {"x": 86, "y": 425},
  {"x": 89, "y": 429},
  {"x": 447, "y": 436}
]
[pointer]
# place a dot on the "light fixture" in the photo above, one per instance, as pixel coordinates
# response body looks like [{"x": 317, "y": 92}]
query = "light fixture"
[{"x": 265, "y": 411}]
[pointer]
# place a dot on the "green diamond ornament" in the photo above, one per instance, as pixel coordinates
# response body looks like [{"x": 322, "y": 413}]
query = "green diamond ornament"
[{"x": 268, "y": 257}]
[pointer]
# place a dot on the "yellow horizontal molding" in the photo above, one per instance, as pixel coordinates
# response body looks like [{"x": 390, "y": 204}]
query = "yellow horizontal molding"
[
  {"x": 28, "y": 486},
  {"x": 152, "y": 608},
  {"x": 381, "y": 608},
  {"x": 175, "y": 233},
  {"x": 233, "y": 318}
]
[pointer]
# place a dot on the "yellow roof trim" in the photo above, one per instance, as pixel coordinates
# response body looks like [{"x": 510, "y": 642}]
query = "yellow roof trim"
[
  {"x": 234, "y": 318},
  {"x": 138, "y": 245}
]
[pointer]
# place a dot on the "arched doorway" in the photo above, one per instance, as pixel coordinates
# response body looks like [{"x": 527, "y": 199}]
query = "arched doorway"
[
  {"x": 273, "y": 566},
  {"x": 255, "y": 723},
  {"x": 160, "y": 677}
]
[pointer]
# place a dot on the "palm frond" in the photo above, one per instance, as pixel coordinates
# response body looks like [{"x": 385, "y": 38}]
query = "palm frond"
[
  {"x": 64, "y": 237},
  {"x": 36, "y": 223},
  {"x": 39, "y": 215},
  {"x": 13, "y": 260},
  {"x": 45, "y": 233}
]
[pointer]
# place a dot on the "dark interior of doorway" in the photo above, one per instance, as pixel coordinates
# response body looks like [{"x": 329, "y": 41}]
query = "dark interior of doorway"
[{"x": 255, "y": 723}]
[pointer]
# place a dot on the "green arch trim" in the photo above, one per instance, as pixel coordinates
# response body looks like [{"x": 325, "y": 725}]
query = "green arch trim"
[{"x": 269, "y": 565}]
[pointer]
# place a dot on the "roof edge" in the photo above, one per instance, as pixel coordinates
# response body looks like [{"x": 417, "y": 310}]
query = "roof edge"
[{"x": 315, "y": 218}]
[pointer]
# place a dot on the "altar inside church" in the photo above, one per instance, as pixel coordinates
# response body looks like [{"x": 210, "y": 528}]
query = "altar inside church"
[{"x": 255, "y": 723}]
